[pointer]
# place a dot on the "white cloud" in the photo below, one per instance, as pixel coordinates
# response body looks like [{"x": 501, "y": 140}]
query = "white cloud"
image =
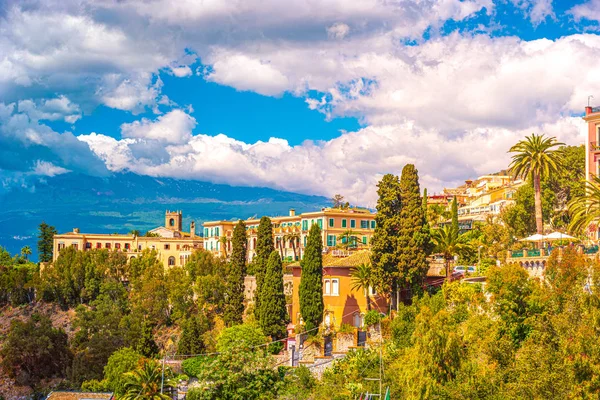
[
  {"x": 338, "y": 30},
  {"x": 48, "y": 169},
  {"x": 51, "y": 109},
  {"x": 350, "y": 164},
  {"x": 589, "y": 10},
  {"x": 174, "y": 127},
  {"x": 536, "y": 10}
]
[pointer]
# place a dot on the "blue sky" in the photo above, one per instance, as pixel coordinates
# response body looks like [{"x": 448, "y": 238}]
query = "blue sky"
[{"x": 316, "y": 98}]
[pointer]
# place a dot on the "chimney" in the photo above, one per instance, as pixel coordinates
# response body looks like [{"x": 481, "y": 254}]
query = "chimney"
[
  {"x": 292, "y": 212},
  {"x": 75, "y": 230},
  {"x": 588, "y": 110},
  {"x": 192, "y": 229}
]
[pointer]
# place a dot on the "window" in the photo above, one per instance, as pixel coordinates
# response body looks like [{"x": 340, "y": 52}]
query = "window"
[
  {"x": 167, "y": 246},
  {"x": 364, "y": 224},
  {"x": 352, "y": 223},
  {"x": 88, "y": 245},
  {"x": 357, "y": 320},
  {"x": 364, "y": 240},
  {"x": 75, "y": 246},
  {"x": 372, "y": 291},
  {"x": 107, "y": 245},
  {"x": 171, "y": 261},
  {"x": 320, "y": 223},
  {"x": 373, "y": 224},
  {"x": 331, "y": 240},
  {"x": 117, "y": 245},
  {"x": 344, "y": 223},
  {"x": 98, "y": 245},
  {"x": 216, "y": 231},
  {"x": 127, "y": 246},
  {"x": 172, "y": 222},
  {"x": 335, "y": 287},
  {"x": 305, "y": 225},
  {"x": 304, "y": 241},
  {"x": 178, "y": 247},
  {"x": 139, "y": 247},
  {"x": 327, "y": 287},
  {"x": 205, "y": 232},
  {"x": 212, "y": 231},
  {"x": 331, "y": 222}
]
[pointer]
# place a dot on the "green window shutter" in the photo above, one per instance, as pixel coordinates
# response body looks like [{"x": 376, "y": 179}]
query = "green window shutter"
[
  {"x": 364, "y": 240},
  {"x": 344, "y": 223},
  {"x": 320, "y": 223},
  {"x": 331, "y": 222},
  {"x": 352, "y": 223},
  {"x": 373, "y": 224}
]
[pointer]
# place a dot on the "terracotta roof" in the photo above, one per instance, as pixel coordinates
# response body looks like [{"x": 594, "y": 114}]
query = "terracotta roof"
[
  {"x": 78, "y": 396},
  {"x": 353, "y": 260}
]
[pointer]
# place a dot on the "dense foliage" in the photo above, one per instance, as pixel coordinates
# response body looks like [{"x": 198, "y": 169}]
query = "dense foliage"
[
  {"x": 236, "y": 272},
  {"x": 273, "y": 315},
  {"x": 264, "y": 247},
  {"x": 311, "y": 281}
]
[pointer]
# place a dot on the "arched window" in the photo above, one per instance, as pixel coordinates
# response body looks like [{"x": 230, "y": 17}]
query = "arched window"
[
  {"x": 172, "y": 222},
  {"x": 171, "y": 261}
]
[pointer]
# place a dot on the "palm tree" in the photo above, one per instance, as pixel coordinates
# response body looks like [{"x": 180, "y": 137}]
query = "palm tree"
[
  {"x": 535, "y": 156},
  {"x": 293, "y": 238},
  {"x": 362, "y": 279},
  {"x": 223, "y": 240},
  {"x": 145, "y": 383},
  {"x": 446, "y": 241},
  {"x": 26, "y": 252},
  {"x": 350, "y": 238},
  {"x": 585, "y": 209}
]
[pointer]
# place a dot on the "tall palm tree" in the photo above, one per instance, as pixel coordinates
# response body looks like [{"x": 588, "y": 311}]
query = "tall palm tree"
[
  {"x": 585, "y": 209},
  {"x": 362, "y": 279},
  {"x": 145, "y": 383},
  {"x": 224, "y": 240},
  {"x": 446, "y": 241},
  {"x": 536, "y": 157},
  {"x": 26, "y": 252},
  {"x": 350, "y": 236},
  {"x": 294, "y": 239}
]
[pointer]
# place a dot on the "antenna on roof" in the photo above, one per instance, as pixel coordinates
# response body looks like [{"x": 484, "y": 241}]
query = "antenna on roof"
[{"x": 591, "y": 96}]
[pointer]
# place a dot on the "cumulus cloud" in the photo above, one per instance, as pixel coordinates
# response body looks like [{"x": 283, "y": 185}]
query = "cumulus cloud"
[
  {"x": 588, "y": 10},
  {"x": 175, "y": 127},
  {"x": 350, "y": 164},
  {"x": 338, "y": 30},
  {"x": 48, "y": 169},
  {"x": 50, "y": 109}
]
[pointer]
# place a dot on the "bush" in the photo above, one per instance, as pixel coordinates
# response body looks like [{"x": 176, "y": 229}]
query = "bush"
[
  {"x": 346, "y": 328},
  {"x": 275, "y": 347},
  {"x": 193, "y": 366},
  {"x": 372, "y": 318}
]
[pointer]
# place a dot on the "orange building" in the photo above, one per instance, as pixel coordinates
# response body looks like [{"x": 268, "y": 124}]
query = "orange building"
[{"x": 342, "y": 304}]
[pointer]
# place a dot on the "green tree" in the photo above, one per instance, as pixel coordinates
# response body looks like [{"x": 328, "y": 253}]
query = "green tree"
[
  {"x": 361, "y": 279},
  {"x": 192, "y": 340},
  {"x": 46, "y": 242},
  {"x": 147, "y": 382},
  {"x": 311, "y": 281},
  {"x": 236, "y": 272},
  {"x": 447, "y": 242},
  {"x": 26, "y": 252},
  {"x": 34, "y": 350},
  {"x": 536, "y": 157},
  {"x": 273, "y": 316},
  {"x": 384, "y": 246},
  {"x": 337, "y": 201},
  {"x": 585, "y": 208},
  {"x": 146, "y": 345},
  {"x": 413, "y": 235},
  {"x": 454, "y": 214},
  {"x": 119, "y": 363},
  {"x": 264, "y": 247}
]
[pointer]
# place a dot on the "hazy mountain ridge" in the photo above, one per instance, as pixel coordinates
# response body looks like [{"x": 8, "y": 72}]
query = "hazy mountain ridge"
[{"x": 128, "y": 201}]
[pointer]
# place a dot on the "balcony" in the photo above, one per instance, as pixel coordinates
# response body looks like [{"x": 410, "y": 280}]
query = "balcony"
[{"x": 594, "y": 147}]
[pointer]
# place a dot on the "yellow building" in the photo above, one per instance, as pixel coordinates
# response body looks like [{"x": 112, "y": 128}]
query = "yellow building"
[
  {"x": 342, "y": 304},
  {"x": 174, "y": 246},
  {"x": 347, "y": 227}
]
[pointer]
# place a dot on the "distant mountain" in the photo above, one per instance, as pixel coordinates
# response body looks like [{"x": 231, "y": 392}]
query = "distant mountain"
[{"x": 123, "y": 202}]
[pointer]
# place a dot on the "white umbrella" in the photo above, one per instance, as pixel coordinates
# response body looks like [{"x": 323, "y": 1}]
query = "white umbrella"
[
  {"x": 559, "y": 236},
  {"x": 533, "y": 238}
]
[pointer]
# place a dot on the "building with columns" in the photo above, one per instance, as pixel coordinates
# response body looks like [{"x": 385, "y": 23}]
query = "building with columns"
[
  {"x": 350, "y": 227},
  {"x": 173, "y": 245}
]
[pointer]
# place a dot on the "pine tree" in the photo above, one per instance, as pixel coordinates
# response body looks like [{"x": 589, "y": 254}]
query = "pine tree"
[
  {"x": 234, "y": 295},
  {"x": 384, "y": 251},
  {"x": 146, "y": 345},
  {"x": 273, "y": 313},
  {"x": 413, "y": 239},
  {"x": 264, "y": 247},
  {"x": 311, "y": 281},
  {"x": 46, "y": 242},
  {"x": 455, "y": 215},
  {"x": 191, "y": 341}
]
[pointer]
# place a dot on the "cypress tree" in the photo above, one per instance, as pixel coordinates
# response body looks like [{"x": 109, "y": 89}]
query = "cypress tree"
[
  {"x": 384, "y": 251},
  {"x": 413, "y": 239},
  {"x": 311, "y": 281},
  {"x": 264, "y": 247},
  {"x": 46, "y": 242},
  {"x": 236, "y": 271},
  {"x": 455, "y": 215},
  {"x": 273, "y": 313}
]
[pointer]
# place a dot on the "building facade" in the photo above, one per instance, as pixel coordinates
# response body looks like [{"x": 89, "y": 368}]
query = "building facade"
[
  {"x": 173, "y": 245},
  {"x": 340, "y": 228}
]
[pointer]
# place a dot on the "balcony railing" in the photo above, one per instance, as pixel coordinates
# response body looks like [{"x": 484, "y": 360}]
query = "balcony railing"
[{"x": 590, "y": 250}]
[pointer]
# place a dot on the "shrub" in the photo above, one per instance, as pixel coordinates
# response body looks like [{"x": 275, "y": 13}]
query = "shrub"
[
  {"x": 372, "y": 318},
  {"x": 193, "y": 366}
]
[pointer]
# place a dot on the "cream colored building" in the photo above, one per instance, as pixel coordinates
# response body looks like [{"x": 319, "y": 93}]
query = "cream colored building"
[
  {"x": 340, "y": 228},
  {"x": 173, "y": 245}
]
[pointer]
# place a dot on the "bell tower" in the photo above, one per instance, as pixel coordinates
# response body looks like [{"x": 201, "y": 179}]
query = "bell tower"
[{"x": 173, "y": 220}]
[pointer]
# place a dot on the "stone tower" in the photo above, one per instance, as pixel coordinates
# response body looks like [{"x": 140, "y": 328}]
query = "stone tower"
[{"x": 173, "y": 220}]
